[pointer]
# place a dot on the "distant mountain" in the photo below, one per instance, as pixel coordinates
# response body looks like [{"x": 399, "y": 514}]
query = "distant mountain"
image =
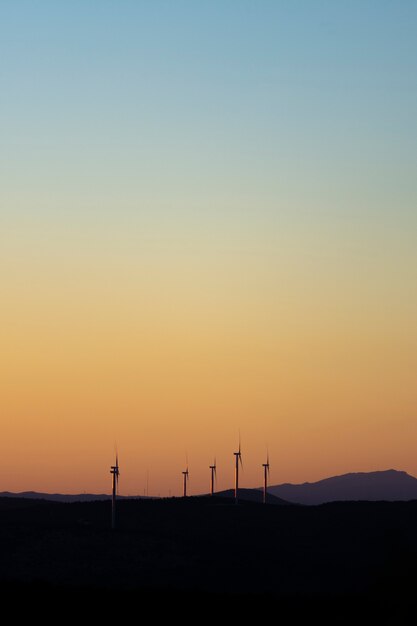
[
  {"x": 59, "y": 497},
  {"x": 251, "y": 495},
  {"x": 386, "y": 485},
  {"x": 390, "y": 485}
]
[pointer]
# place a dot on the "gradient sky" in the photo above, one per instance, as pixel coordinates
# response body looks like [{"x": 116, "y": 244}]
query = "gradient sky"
[{"x": 208, "y": 222}]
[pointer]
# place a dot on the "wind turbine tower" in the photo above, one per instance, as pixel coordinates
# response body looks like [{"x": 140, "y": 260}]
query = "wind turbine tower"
[
  {"x": 185, "y": 479},
  {"x": 213, "y": 477},
  {"x": 266, "y": 474},
  {"x": 115, "y": 472},
  {"x": 238, "y": 459}
]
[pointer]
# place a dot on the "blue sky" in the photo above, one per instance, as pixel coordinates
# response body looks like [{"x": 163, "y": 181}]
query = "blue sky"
[{"x": 266, "y": 96}]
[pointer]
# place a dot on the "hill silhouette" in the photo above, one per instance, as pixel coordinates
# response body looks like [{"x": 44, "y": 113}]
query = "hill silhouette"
[
  {"x": 390, "y": 485},
  {"x": 63, "y": 497},
  {"x": 251, "y": 495},
  {"x": 245, "y": 495}
]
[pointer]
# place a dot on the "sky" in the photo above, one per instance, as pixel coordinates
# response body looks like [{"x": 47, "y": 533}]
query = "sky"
[{"x": 208, "y": 226}]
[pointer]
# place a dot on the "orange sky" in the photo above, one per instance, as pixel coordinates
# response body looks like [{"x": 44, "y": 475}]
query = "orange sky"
[{"x": 315, "y": 360}]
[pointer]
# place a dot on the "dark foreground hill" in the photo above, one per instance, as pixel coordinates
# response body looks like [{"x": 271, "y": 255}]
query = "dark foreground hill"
[
  {"x": 251, "y": 495},
  {"x": 172, "y": 552},
  {"x": 388, "y": 485}
]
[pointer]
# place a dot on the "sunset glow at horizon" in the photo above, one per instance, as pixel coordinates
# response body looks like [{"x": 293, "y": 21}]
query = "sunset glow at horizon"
[{"x": 208, "y": 226}]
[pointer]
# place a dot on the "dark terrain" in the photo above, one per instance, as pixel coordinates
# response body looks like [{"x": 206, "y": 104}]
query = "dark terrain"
[{"x": 339, "y": 558}]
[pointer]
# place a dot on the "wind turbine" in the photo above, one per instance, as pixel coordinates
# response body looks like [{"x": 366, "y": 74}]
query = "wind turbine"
[
  {"x": 266, "y": 474},
  {"x": 186, "y": 479},
  {"x": 213, "y": 477},
  {"x": 238, "y": 459},
  {"x": 115, "y": 472}
]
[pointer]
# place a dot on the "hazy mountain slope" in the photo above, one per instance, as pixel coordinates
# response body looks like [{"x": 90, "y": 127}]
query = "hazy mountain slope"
[{"x": 386, "y": 485}]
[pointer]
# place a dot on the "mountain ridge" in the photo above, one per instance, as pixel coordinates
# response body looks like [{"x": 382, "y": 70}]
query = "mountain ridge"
[{"x": 389, "y": 485}]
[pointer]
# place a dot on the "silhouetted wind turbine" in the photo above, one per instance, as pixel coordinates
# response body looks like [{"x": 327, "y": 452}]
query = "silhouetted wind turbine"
[
  {"x": 213, "y": 477},
  {"x": 266, "y": 474},
  {"x": 238, "y": 459},
  {"x": 186, "y": 478},
  {"x": 115, "y": 472}
]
